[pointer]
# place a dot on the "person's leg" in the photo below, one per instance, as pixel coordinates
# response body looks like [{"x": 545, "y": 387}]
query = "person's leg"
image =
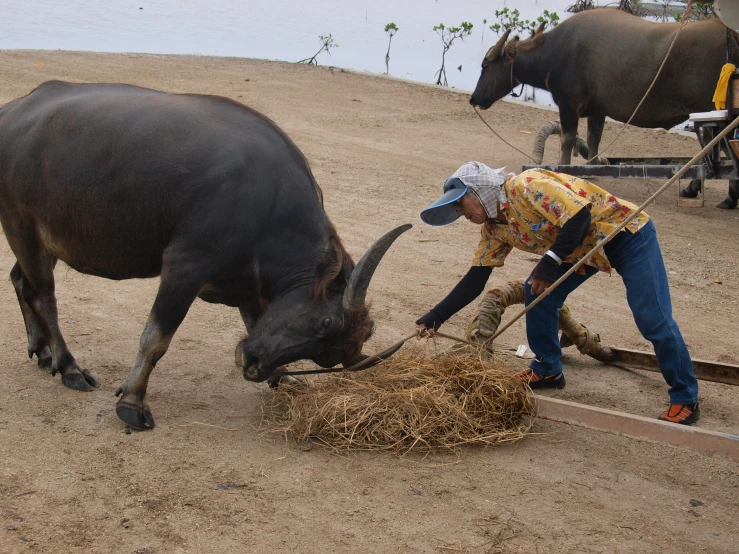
[
  {"x": 638, "y": 259},
  {"x": 542, "y": 322}
]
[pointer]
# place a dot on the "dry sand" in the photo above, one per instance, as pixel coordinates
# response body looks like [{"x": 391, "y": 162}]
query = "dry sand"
[{"x": 72, "y": 479}]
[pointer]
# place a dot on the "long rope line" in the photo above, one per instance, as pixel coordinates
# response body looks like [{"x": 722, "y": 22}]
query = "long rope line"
[
  {"x": 696, "y": 159},
  {"x": 651, "y": 86},
  {"x": 501, "y": 138}
]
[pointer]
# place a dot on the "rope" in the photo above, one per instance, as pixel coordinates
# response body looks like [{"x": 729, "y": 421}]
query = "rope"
[
  {"x": 583, "y": 338},
  {"x": 697, "y": 158},
  {"x": 491, "y": 309},
  {"x": 501, "y": 138},
  {"x": 662, "y": 65},
  {"x": 367, "y": 363},
  {"x": 364, "y": 364}
]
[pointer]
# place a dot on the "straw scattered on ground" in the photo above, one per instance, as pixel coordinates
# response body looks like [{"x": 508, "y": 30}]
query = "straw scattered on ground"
[{"x": 413, "y": 401}]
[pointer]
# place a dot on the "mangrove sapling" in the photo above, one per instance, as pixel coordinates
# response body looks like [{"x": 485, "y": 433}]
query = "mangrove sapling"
[
  {"x": 448, "y": 36},
  {"x": 698, "y": 11},
  {"x": 511, "y": 19},
  {"x": 508, "y": 19},
  {"x": 327, "y": 43},
  {"x": 390, "y": 30},
  {"x": 580, "y": 6}
]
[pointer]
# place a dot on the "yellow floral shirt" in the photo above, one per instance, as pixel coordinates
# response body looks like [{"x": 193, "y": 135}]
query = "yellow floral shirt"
[{"x": 539, "y": 203}]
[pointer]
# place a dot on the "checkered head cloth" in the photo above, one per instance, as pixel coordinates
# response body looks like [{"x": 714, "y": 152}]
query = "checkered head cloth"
[{"x": 485, "y": 182}]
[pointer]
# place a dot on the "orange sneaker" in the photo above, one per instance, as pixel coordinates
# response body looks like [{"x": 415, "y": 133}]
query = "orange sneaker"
[
  {"x": 536, "y": 381},
  {"x": 684, "y": 414}
]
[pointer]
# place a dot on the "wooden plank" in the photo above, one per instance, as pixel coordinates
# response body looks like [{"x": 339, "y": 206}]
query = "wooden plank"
[
  {"x": 638, "y": 427},
  {"x": 708, "y": 371}
]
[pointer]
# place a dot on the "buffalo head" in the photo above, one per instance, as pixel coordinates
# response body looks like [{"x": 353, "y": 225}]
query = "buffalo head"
[
  {"x": 496, "y": 79},
  {"x": 327, "y": 321}
]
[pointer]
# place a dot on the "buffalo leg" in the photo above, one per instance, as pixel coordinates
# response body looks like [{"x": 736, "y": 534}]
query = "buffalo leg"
[
  {"x": 37, "y": 343},
  {"x": 568, "y": 137},
  {"x": 731, "y": 201},
  {"x": 37, "y": 291},
  {"x": 595, "y": 132},
  {"x": 177, "y": 291}
]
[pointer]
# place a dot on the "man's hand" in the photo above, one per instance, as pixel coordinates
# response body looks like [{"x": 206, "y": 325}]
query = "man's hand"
[
  {"x": 538, "y": 285},
  {"x": 543, "y": 275},
  {"x": 424, "y": 333},
  {"x": 427, "y": 324}
]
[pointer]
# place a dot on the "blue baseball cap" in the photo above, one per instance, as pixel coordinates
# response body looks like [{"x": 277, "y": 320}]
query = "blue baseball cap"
[{"x": 442, "y": 212}]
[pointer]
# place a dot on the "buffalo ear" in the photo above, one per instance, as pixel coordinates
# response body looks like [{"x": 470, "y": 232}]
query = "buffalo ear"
[
  {"x": 541, "y": 28},
  {"x": 333, "y": 268},
  {"x": 495, "y": 51},
  {"x": 511, "y": 48}
]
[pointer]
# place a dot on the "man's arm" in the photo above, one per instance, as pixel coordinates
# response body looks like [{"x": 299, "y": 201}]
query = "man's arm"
[
  {"x": 570, "y": 237},
  {"x": 469, "y": 288}
]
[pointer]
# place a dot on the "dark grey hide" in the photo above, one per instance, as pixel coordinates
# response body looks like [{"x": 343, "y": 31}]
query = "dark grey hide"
[{"x": 124, "y": 182}]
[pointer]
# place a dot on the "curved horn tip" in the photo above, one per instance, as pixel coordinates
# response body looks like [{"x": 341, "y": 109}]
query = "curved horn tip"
[{"x": 356, "y": 289}]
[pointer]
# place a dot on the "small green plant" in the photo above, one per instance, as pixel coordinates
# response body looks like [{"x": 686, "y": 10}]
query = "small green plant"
[
  {"x": 511, "y": 19},
  {"x": 390, "y": 30},
  {"x": 550, "y": 19},
  {"x": 448, "y": 36},
  {"x": 698, "y": 11},
  {"x": 327, "y": 43}
]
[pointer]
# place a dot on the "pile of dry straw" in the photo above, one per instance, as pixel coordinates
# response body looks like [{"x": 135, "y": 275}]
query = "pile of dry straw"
[{"x": 411, "y": 401}]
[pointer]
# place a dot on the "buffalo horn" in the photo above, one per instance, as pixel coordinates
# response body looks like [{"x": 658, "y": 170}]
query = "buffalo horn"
[
  {"x": 356, "y": 289},
  {"x": 366, "y": 362},
  {"x": 541, "y": 28},
  {"x": 495, "y": 51}
]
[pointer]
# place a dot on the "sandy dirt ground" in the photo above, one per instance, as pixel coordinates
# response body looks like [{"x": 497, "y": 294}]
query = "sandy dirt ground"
[{"x": 73, "y": 480}]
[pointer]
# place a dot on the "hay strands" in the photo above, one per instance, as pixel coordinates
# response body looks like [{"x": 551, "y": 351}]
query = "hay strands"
[
  {"x": 413, "y": 401},
  {"x": 384, "y": 355}
]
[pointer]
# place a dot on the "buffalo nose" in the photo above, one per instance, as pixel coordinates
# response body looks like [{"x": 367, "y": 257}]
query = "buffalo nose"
[
  {"x": 252, "y": 369},
  {"x": 251, "y": 373}
]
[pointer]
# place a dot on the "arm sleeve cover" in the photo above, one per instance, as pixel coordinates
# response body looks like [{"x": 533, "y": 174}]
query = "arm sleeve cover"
[
  {"x": 572, "y": 234},
  {"x": 469, "y": 288}
]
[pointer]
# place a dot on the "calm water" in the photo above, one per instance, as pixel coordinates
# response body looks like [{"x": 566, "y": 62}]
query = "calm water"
[{"x": 277, "y": 29}]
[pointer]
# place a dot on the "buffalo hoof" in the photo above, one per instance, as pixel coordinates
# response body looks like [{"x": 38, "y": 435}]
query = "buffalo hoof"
[
  {"x": 687, "y": 192},
  {"x": 728, "y": 203},
  {"x": 135, "y": 416},
  {"x": 80, "y": 380}
]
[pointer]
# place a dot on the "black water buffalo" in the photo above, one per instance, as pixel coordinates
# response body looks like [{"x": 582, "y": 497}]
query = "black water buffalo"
[
  {"x": 600, "y": 63},
  {"x": 124, "y": 182}
]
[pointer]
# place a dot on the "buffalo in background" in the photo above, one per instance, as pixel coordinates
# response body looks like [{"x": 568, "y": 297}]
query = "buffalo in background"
[{"x": 599, "y": 63}]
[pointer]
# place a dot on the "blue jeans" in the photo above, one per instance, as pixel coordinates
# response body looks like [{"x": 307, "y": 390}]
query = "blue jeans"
[{"x": 638, "y": 259}]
